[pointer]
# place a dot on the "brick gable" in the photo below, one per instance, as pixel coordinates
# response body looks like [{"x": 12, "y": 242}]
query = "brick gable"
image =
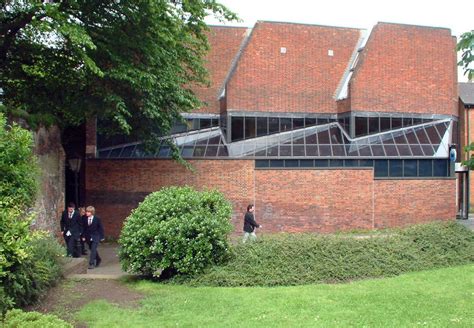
[
  {"x": 406, "y": 68},
  {"x": 304, "y": 79},
  {"x": 224, "y": 45}
]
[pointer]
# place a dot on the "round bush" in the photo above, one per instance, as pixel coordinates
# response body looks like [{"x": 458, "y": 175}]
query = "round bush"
[{"x": 176, "y": 229}]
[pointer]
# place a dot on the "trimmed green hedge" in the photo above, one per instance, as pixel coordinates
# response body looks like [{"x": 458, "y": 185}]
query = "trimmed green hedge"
[
  {"x": 17, "y": 318},
  {"x": 297, "y": 259},
  {"x": 176, "y": 230}
]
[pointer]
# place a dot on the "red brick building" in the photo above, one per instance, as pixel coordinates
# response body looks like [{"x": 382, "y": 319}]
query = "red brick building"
[{"x": 322, "y": 128}]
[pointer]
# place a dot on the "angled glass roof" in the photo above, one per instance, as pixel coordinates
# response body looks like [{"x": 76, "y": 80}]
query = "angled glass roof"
[{"x": 427, "y": 140}]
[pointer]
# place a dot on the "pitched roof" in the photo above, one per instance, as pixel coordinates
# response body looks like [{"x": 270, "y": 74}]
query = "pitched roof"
[
  {"x": 291, "y": 67},
  {"x": 466, "y": 92}
]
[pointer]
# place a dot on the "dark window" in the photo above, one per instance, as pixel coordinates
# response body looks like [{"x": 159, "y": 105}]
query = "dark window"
[
  {"x": 276, "y": 163},
  {"x": 336, "y": 163},
  {"x": 351, "y": 163},
  {"x": 425, "y": 168},
  {"x": 407, "y": 121},
  {"x": 321, "y": 163},
  {"x": 410, "y": 168},
  {"x": 310, "y": 121},
  {"x": 323, "y": 121},
  {"x": 361, "y": 128},
  {"x": 215, "y": 122},
  {"x": 381, "y": 168},
  {"x": 395, "y": 168},
  {"x": 306, "y": 163},
  {"x": 298, "y": 123},
  {"x": 237, "y": 128},
  {"x": 440, "y": 167},
  {"x": 396, "y": 123},
  {"x": 373, "y": 125},
  {"x": 204, "y": 123},
  {"x": 250, "y": 127},
  {"x": 366, "y": 163},
  {"x": 291, "y": 163},
  {"x": 417, "y": 120},
  {"x": 384, "y": 124},
  {"x": 262, "y": 163},
  {"x": 285, "y": 124},
  {"x": 273, "y": 125}
]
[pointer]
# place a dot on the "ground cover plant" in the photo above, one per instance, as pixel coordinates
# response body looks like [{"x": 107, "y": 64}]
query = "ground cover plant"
[
  {"x": 176, "y": 230},
  {"x": 18, "y": 318},
  {"x": 296, "y": 259},
  {"x": 433, "y": 298}
]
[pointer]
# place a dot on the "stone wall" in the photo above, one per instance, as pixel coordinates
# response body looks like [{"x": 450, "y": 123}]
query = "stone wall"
[{"x": 51, "y": 159}]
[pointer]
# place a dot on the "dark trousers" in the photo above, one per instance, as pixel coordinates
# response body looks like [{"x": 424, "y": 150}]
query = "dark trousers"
[
  {"x": 83, "y": 247},
  {"x": 72, "y": 246},
  {"x": 94, "y": 258}
]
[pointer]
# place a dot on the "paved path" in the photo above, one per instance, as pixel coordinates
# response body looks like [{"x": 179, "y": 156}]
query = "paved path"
[
  {"x": 109, "y": 267},
  {"x": 469, "y": 222}
]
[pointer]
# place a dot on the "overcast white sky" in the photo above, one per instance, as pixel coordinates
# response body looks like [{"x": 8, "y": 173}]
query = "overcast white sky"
[{"x": 455, "y": 14}]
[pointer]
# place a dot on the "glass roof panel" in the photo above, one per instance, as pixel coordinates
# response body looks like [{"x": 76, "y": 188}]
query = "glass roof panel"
[
  {"x": 391, "y": 150},
  {"x": 433, "y": 135},
  {"x": 404, "y": 150},
  {"x": 422, "y": 137},
  {"x": 312, "y": 150},
  {"x": 325, "y": 150},
  {"x": 378, "y": 150},
  {"x": 428, "y": 150},
  {"x": 416, "y": 150},
  {"x": 323, "y": 137}
]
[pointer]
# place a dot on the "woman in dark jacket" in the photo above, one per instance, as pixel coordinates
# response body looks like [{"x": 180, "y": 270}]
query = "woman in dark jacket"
[{"x": 250, "y": 224}]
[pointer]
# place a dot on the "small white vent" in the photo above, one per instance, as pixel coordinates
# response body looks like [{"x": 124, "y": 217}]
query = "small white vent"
[
  {"x": 283, "y": 50},
  {"x": 330, "y": 53}
]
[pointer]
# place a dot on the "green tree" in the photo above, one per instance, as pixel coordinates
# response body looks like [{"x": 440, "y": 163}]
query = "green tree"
[
  {"x": 132, "y": 63},
  {"x": 466, "y": 45}
]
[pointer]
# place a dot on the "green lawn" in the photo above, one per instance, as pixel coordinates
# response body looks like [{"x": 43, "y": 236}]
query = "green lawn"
[{"x": 437, "y": 298}]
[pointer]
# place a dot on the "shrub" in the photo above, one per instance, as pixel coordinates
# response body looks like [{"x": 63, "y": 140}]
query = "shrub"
[
  {"x": 18, "y": 318},
  {"x": 18, "y": 170},
  {"x": 296, "y": 259},
  {"x": 28, "y": 263},
  {"x": 176, "y": 229},
  {"x": 27, "y": 279}
]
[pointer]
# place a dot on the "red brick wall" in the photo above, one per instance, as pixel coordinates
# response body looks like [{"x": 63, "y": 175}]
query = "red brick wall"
[
  {"x": 286, "y": 200},
  {"x": 116, "y": 186},
  {"x": 304, "y": 79},
  {"x": 403, "y": 202},
  {"x": 406, "y": 68},
  {"x": 314, "y": 200},
  {"x": 224, "y": 45}
]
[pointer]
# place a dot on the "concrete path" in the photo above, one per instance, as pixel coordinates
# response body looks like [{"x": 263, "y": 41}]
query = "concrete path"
[
  {"x": 469, "y": 222},
  {"x": 109, "y": 267}
]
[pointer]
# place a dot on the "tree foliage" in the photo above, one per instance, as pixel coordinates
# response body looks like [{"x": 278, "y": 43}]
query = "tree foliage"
[
  {"x": 130, "y": 62},
  {"x": 466, "y": 45}
]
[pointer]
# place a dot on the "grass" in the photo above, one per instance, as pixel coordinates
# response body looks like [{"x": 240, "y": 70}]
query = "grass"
[{"x": 435, "y": 298}]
